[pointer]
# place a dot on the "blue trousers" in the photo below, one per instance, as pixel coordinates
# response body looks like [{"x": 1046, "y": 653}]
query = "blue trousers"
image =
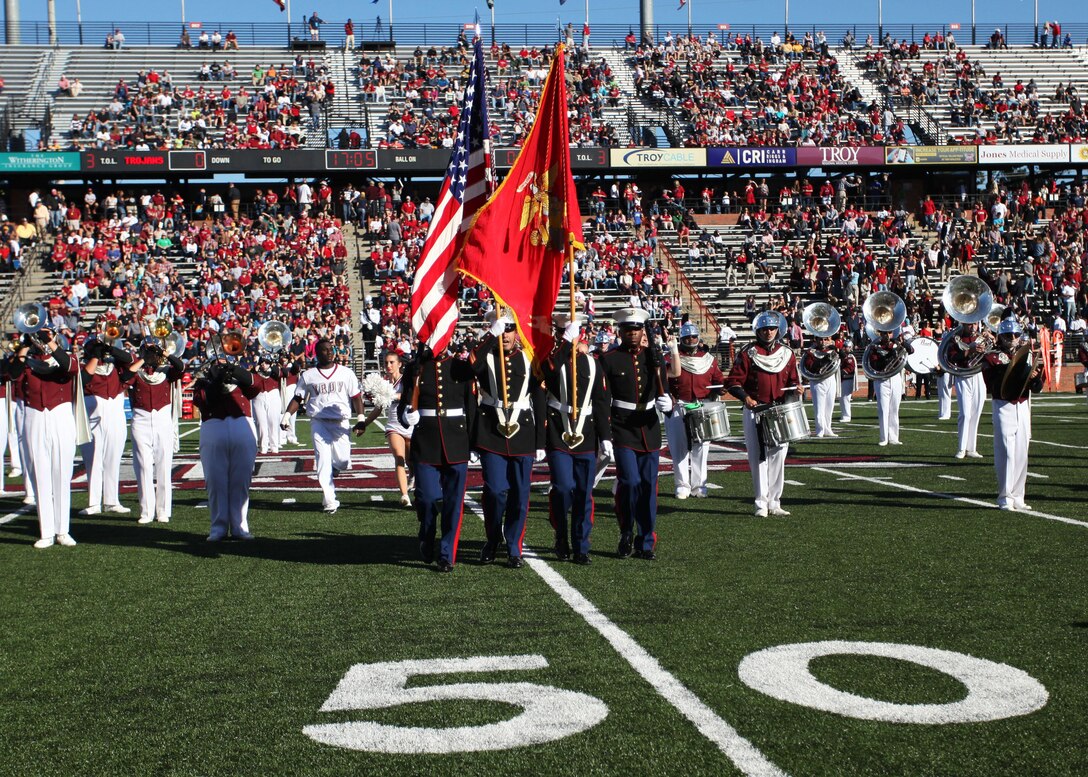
[
  {"x": 572, "y": 496},
  {"x": 636, "y": 495},
  {"x": 443, "y": 484},
  {"x": 506, "y": 498}
]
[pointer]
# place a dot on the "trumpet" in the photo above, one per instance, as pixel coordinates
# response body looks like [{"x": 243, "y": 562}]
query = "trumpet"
[{"x": 30, "y": 318}]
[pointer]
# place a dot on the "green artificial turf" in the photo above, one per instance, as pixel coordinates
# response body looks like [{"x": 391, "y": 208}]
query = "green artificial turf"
[{"x": 145, "y": 650}]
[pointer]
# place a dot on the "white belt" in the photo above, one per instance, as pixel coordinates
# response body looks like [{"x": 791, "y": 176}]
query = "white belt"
[
  {"x": 632, "y": 405},
  {"x": 450, "y": 413},
  {"x": 555, "y": 405},
  {"x": 520, "y": 406}
]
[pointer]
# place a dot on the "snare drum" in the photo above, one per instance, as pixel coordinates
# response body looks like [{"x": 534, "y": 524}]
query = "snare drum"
[
  {"x": 781, "y": 424},
  {"x": 709, "y": 421}
]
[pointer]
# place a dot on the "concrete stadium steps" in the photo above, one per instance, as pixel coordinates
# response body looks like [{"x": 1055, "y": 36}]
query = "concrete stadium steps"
[
  {"x": 23, "y": 68},
  {"x": 1048, "y": 67},
  {"x": 99, "y": 70}
]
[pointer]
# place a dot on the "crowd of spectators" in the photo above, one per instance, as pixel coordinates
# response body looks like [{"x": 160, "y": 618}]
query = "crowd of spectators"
[
  {"x": 277, "y": 259},
  {"x": 742, "y": 91},
  {"x": 423, "y": 93},
  {"x": 276, "y": 109}
]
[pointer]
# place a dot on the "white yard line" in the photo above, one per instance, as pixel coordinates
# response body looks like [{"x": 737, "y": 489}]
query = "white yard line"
[
  {"x": 1034, "y": 440},
  {"x": 12, "y": 516},
  {"x": 739, "y": 750},
  {"x": 966, "y": 500}
]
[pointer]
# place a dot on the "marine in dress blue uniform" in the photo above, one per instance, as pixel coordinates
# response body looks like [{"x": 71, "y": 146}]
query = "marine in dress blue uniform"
[
  {"x": 633, "y": 376},
  {"x": 437, "y": 403},
  {"x": 574, "y": 444},
  {"x": 508, "y": 436}
]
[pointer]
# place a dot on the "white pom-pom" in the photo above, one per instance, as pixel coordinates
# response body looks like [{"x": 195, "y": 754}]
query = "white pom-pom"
[{"x": 378, "y": 389}]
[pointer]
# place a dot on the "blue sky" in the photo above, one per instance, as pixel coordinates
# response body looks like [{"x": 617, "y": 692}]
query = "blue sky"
[{"x": 704, "y": 12}]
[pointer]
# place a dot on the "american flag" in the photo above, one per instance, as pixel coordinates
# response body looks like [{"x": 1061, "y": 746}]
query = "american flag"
[{"x": 470, "y": 179}]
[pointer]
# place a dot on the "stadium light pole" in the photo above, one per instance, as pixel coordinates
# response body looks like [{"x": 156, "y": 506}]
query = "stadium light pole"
[
  {"x": 182, "y": 13},
  {"x": 787, "y": 32},
  {"x": 79, "y": 20},
  {"x": 880, "y": 22},
  {"x": 689, "y": 18}
]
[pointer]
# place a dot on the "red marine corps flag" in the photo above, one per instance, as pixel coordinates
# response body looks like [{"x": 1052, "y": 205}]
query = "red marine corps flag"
[{"x": 519, "y": 241}]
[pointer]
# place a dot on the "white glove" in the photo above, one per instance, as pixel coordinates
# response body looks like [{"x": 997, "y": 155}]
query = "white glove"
[
  {"x": 285, "y": 421},
  {"x": 539, "y": 455},
  {"x": 412, "y": 417},
  {"x": 663, "y": 404},
  {"x": 571, "y": 331},
  {"x": 608, "y": 453},
  {"x": 500, "y": 324},
  {"x": 473, "y": 457}
]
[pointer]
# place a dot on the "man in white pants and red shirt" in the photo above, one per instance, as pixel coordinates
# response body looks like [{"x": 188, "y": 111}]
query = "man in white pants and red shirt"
[
  {"x": 152, "y": 387},
  {"x": 1012, "y": 416},
  {"x": 970, "y": 391},
  {"x": 50, "y": 430},
  {"x": 104, "y": 396},
  {"x": 692, "y": 372},
  {"x": 331, "y": 392}
]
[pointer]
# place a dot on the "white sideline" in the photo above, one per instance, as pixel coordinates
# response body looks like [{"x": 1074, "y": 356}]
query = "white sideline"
[
  {"x": 966, "y": 500},
  {"x": 739, "y": 750},
  {"x": 12, "y": 516}
]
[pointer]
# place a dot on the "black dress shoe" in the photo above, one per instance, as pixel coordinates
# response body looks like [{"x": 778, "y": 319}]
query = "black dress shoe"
[
  {"x": 583, "y": 559},
  {"x": 487, "y": 555},
  {"x": 562, "y": 550},
  {"x": 426, "y": 550},
  {"x": 626, "y": 547},
  {"x": 514, "y": 562},
  {"x": 647, "y": 555},
  {"x": 444, "y": 566}
]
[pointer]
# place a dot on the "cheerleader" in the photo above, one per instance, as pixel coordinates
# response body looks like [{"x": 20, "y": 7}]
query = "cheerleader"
[{"x": 385, "y": 393}]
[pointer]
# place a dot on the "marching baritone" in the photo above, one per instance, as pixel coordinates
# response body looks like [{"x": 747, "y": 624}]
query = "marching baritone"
[
  {"x": 1011, "y": 378},
  {"x": 331, "y": 393},
  {"x": 764, "y": 373},
  {"x": 509, "y": 435},
  {"x": 819, "y": 359},
  {"x": 577, "y": 434},
  {"x": 437, "y": 403},
  {"x": 154, "y": 392},
  {"x": 884, "y": 354},
  {"x": 632, "y": 372},
  {"x": 104, "y": 396},
  {"x": 228, "y": 446},
  {"x": 693, "y": 371},
  {"x": 970, "y": 388},
  {"x": 50, "y": 431},
  {"x": 848, "y": 373}
]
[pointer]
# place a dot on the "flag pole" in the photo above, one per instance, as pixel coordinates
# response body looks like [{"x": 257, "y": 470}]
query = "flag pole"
[{"x": 574, "y": 345}]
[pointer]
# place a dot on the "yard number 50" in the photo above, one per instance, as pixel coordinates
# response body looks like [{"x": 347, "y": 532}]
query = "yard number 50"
[{"x": 547, "y": 713}]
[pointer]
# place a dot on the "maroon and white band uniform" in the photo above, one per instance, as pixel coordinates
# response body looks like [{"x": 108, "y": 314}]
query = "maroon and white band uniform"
[
  {"x": 698, "y": 372},
  {"x": 50, "y": 433},
  {"x": 970, "y": 390},
  {"x": 228, "y": 447},
  {"x": 6, "y": 425},
  {"x": 151, "y": 394},
  {"x": 944, "y": 394},
  {"x": 267, "y": 406},
  {"x": 888, "y": 391},
  {"x": 822, "y": 392},
  {"x": 848, "y": 373},
  {"x": 1012, "y": 432},
  {"x": 764, "y": 373},
  {"x": 104, "y": 397},
  {"x": 288, "y": 382}
]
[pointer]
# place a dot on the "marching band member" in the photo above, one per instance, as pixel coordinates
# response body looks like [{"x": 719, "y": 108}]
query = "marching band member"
[
  {"x": 397, "y": 436},
  {"x": 889, "y": 390},
  {"x": 848, "y": 372},
  {"x": 1082, "y": 357},
  {"x": 764, "y": 373},
  {"x": 153, "y": 382},
  {"x": 1011, "y": 414},
  {"x": 692, "y": 372},
  {"x": 574, "y": 439},
  {"x": 437, "y": 402},
  {"x": 20, "y": 449},
  {"x": 288, "y": 372},
  {"x": 509, "y": 436},
  {"x": 267, "y": 407},
  {"x": 50, "y": 431},
  {"x": 817, "y": 359},
  {"x": 633, "y": 374},
  {"x": 970, "y": 389},
  {"x": 104, "y": 396},
  {"x": 944, "y": 394},
  {"x": 6, "y": 411},
  {"x": 11, "y": 411},
  {"x": 228, "y": 446},
  {"x": 331, "y": 392}
]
